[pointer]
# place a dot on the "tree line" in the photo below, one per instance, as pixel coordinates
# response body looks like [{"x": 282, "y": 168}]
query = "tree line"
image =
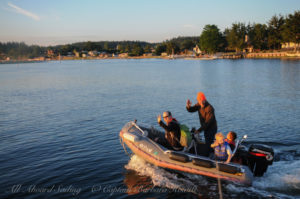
[
  {"x": 19, "y": 50},
  {"x": 239, "y": 36}
]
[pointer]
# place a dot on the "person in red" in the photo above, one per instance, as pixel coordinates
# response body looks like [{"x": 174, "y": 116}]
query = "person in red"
[
  {"x": 231, "y": 136},
  {"x": 231, "y": 140},
  {"x": 207, "y": 119},
  {"x": 172, "y": 131}
]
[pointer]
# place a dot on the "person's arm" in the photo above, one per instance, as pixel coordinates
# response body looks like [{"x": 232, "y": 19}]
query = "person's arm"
[
  {"x": 191, "y": 108},
  {"x": 213, "y": 145},
  {"x": 199, "y": 130},
  {"x": 162, "y": 125},
  {"x": 229, "y": 153},
  {"x": 166, "y": 127},
  {"x": 160, "y": 122}
]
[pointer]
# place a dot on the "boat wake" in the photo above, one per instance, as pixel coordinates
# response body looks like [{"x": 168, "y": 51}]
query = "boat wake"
[
  {"x": 283, "y": 177},
  {"x": 163, "y": 178},
  {"x": 281, "y": 181}
]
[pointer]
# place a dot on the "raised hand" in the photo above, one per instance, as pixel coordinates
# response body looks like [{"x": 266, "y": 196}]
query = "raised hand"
[
  {"x": 159, "y": 118},
  {"x": 188, "y": 103}
]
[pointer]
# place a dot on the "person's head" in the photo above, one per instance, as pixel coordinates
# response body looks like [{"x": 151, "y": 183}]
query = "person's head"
[
  {"x": 201, "y": 99},
  {"x": 219, "y": 138},
  {"x": 231, "y": 136},
  {"x": 167, "y": 116}
]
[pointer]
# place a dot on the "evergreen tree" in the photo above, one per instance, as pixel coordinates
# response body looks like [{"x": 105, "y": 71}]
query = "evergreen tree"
[
  {"x": 172, "y": 47},
  {"x": 258, "y": 36},
  {"x": 137, "y": 50},
  {"x": 236, "y": 36},
  {"x": 211, "y": 39},
  {"x": 160, "y": 48},
  {"x": 275, "y": 26},
  {"x": 291, "y": 28}
]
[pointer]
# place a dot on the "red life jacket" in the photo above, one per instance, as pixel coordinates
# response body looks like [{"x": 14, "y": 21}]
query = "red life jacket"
[{"x": 231, "y": 143}]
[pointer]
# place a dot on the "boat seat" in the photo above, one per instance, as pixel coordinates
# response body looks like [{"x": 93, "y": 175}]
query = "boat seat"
[
  {"x": 178, "y": 156},
  {"x": 203, "y": 162},
  {"x": 229, "y": 168}
]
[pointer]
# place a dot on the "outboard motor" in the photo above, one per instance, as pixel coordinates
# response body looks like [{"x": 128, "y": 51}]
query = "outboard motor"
[{"x": 259, "y": 158}]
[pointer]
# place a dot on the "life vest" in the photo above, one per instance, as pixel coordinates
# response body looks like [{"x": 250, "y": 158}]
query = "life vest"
[
  {"x": 221, "y": 151},
  {"x": 231, "y": 144},
  {"x": 173, "y": 119},
  {"x": 185, "y": 134}
]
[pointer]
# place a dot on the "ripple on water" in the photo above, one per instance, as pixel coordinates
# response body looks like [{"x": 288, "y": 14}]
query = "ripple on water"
[{"x": 60, "y": 122}]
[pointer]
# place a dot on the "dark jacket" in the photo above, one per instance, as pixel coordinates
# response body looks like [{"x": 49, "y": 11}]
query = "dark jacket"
[
  {"x": 207, "y": 120},
  {"x": 172, "y": 128}
]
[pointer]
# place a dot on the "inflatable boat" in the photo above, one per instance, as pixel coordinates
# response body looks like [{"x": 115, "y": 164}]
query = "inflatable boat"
[{"x": 140, "y": 139}]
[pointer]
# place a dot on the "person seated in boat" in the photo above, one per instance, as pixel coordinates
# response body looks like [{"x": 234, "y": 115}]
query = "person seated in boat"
[
  {"x": 172, "y": 132},
  {"x": 231, "y": 136},
  {"x": 222, "y": 149}
]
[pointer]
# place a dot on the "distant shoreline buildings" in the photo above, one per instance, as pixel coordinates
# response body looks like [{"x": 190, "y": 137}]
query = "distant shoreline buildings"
[{"x": 280, "y": 37}]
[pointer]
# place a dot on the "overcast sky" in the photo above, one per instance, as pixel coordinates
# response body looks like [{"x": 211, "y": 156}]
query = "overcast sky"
[{"x": 51, "y": 22}]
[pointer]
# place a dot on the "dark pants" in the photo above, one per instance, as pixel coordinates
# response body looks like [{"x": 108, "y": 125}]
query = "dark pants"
[{"x": 209, "y": 136}]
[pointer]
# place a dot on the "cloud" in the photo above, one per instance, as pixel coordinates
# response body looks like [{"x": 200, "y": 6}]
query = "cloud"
[{"x": 24, "y": 12}]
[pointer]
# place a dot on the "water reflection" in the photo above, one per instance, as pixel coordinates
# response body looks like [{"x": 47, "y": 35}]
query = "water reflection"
[{"x": 136, "y": 183}]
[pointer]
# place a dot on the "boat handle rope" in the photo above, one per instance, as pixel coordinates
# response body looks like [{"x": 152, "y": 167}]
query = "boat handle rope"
[
  {"x": 124, "y": 147},
  {"x": 134, "y": 123}
]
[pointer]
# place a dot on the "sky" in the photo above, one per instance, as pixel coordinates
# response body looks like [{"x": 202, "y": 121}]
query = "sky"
[{"x": 53, "y": 22}]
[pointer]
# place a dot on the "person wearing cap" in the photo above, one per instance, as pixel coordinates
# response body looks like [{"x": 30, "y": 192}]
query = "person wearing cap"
[
  {"x": 172, "y": 131},
  {"x": 207, "y": 119}
]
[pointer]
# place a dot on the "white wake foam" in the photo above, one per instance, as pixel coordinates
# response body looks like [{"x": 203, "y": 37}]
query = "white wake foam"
[
  {"x": 281, "y": 180},
  {"x": 163, "y": 178},
  {"x": 281, "y": 175}
]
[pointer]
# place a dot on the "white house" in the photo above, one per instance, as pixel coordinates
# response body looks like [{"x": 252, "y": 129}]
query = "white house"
[{"x": 197, "y": 50}]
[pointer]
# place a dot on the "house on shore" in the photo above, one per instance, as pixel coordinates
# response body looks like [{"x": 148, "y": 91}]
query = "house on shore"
[
  {"x": 93, "y": 53},
  {"x": 290, "y": 45},
  {"x": 197, "y": 50},
  {"x": 147, "y": 54},
  {"x": 123, "y": 55},
  {"x": 77, "y": 54},
  {"x": 249, "y": 48},
  {"x": 187, "y": 52},
  {"x": 50, "y": 53}
]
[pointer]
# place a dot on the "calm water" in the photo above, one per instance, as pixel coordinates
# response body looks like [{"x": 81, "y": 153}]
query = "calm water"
[{"x": 59, "y": 125}]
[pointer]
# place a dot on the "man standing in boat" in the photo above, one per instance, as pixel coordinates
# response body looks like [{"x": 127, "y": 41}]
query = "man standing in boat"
[
  {"x": 207, "y": 119},
  {"x": 172, "y": 131}
]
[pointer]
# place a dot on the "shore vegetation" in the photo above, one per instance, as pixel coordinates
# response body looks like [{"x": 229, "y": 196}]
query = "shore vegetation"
[{"x": 280, "y": 33}]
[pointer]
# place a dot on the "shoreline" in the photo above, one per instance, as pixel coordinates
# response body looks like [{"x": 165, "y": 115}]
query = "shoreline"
[{"x": 284, "y": 56}]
